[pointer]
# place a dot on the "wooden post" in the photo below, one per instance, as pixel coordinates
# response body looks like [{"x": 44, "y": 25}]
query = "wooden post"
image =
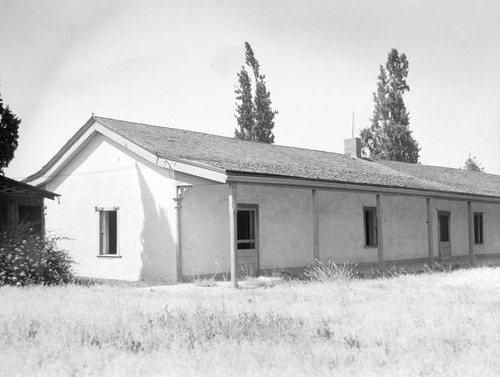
[
  {"x": 430, "y": 240},
  {"x": 315, "y": 218},
  {"x": 470, "y": 221},
  {"x": 380, "y": 226},
  {"x": 233, "y": 232},
  {"x": 178, "y": 235}
]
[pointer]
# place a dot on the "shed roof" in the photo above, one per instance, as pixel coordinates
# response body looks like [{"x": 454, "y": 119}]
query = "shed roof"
[
  {"x": 11, "y": 187},
  {"x": 244, "y": 157}
]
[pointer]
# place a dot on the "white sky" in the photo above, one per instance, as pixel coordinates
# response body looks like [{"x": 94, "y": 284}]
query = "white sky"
[{"x": 174, "y": 63}]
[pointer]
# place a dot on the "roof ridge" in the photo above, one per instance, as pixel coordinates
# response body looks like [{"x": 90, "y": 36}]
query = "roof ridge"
[{"x": 96, "y": 117}]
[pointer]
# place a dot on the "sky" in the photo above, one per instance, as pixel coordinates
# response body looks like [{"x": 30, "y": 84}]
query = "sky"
[{"x": 174, "y": 63}]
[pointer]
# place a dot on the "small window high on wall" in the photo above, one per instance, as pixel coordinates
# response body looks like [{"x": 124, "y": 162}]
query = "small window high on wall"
[
  {"x": 108, "y": 230},
  {"x": 370, "y": 219},
  {"x": 478, "y": 227}
]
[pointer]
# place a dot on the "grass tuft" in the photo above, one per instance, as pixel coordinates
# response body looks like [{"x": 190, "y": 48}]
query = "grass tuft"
[{"x": 330, "y": 271}]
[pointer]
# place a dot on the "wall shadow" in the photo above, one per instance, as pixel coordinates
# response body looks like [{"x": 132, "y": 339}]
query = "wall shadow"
[{"x": 158, "y": 249}]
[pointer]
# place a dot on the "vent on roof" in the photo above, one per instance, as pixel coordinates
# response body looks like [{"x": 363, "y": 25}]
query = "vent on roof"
[{"x": 352, "y": 147}]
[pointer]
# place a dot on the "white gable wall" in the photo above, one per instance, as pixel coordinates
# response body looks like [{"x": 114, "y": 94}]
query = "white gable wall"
[{"x": 105, "y": 174}]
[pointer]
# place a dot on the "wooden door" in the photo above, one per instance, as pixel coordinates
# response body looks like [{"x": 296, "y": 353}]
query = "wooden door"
[
  {"x": 247, "y": 253},
  {"x": 444, "y": 235}
]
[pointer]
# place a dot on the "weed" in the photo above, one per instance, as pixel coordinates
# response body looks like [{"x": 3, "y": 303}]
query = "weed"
[{"x": 330, "y": 271}]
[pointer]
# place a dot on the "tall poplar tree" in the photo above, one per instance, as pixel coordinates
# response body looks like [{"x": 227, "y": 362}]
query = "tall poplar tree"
[
  {"x": 254, "y": 114},
  {"x": 9, "y": 125},
  {"x": 389, "y": 136}
]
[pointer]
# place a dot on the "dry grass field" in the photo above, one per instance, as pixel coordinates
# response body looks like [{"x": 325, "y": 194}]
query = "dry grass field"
[{"x": 438, "y": 324}]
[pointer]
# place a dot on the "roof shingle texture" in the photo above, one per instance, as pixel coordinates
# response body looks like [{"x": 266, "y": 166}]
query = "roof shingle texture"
[{"x": 234, "y": 155}]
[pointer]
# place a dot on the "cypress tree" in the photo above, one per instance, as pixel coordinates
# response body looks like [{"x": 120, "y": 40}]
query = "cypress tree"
[
  {"x": 389, "y": 136},
  {"x": 255, "y": 118}
]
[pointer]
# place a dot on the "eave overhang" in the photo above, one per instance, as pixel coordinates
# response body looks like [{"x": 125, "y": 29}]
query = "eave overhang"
[
  {"x": 241, "y": 177},
  {"x": 93, "y": 127}
]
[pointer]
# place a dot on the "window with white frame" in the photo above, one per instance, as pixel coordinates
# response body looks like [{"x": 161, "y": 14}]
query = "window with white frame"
[{"x": 108, "y": 230}]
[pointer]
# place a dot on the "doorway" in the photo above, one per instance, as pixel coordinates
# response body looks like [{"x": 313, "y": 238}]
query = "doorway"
[
  {"x": 444, "y": 235},
  {"x": 247, "y": 253}
]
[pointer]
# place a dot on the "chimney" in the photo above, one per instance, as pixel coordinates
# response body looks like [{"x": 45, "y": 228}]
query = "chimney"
[{"x": 352, "y": 147}]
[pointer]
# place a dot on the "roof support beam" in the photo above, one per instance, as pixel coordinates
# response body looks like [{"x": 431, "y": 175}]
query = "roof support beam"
[
  {"x": 178, "y": 236},
  {"x": 380, "y": 232},
  {"x": 470, "y": 223},
  {"x": 430, "y": 227},
  {"x": 315, "y": 221},
  {"x": 351, "y": 187},
  {"x": 233, "y": 232}
]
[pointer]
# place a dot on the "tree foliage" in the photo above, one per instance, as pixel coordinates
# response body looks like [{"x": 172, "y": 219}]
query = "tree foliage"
[
  {"x": 254, "y": 114},
  {"x": 472, "y": 164},
  {"x": 389, "y": 136},
  {"x": 9, "y": 125}
]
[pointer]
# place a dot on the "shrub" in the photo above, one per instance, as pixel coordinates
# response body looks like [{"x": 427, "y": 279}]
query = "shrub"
[{"x": 26, "y": 257}]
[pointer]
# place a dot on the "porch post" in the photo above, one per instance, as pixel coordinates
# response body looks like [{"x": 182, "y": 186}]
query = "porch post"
[
  {"x": 315, "y": 218},
  {"x": 233, "y": 232},
  {"x": 12, "y": 212},
  {"x": 470, "y": 222},
  {"x": 178, "y": 236},
  {"x": 430, "y": 240},
  {"x": 380, "y": 226}
]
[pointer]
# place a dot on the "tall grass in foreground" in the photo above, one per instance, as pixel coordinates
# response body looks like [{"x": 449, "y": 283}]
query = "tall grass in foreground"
[{"x": 439, "y": 324}]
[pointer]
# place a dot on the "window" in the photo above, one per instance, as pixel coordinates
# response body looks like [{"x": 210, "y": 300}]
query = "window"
[
  {"x": 246, "y": 229},
  {"x": 370, "y": 217},
  {"x": 478, "y": 227},
  {"x": 108, "y": 230},
  {"x": 444, "y": 227}
]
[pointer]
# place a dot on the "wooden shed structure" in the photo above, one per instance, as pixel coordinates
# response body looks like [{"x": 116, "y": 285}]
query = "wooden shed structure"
[{"x": 22, "y": 202}]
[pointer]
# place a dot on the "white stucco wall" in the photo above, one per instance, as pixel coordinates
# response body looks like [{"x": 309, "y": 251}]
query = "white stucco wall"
[
  {"x": 285, "y": 227},
  {"x": 459, "y": 228},
  {"x": 285, "y": 224},
  {"x": 205, "y": 230},
  {"x": 491, "y": 228},
  {"x": 105, "y": 174},
  {"x": 405, "y": 227},
  {"x": 341, "y": 228},
  {"x": 459, "y": 231}
]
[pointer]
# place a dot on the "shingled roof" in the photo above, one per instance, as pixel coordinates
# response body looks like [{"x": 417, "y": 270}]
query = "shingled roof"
[{"x": 251, "y": 158}]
